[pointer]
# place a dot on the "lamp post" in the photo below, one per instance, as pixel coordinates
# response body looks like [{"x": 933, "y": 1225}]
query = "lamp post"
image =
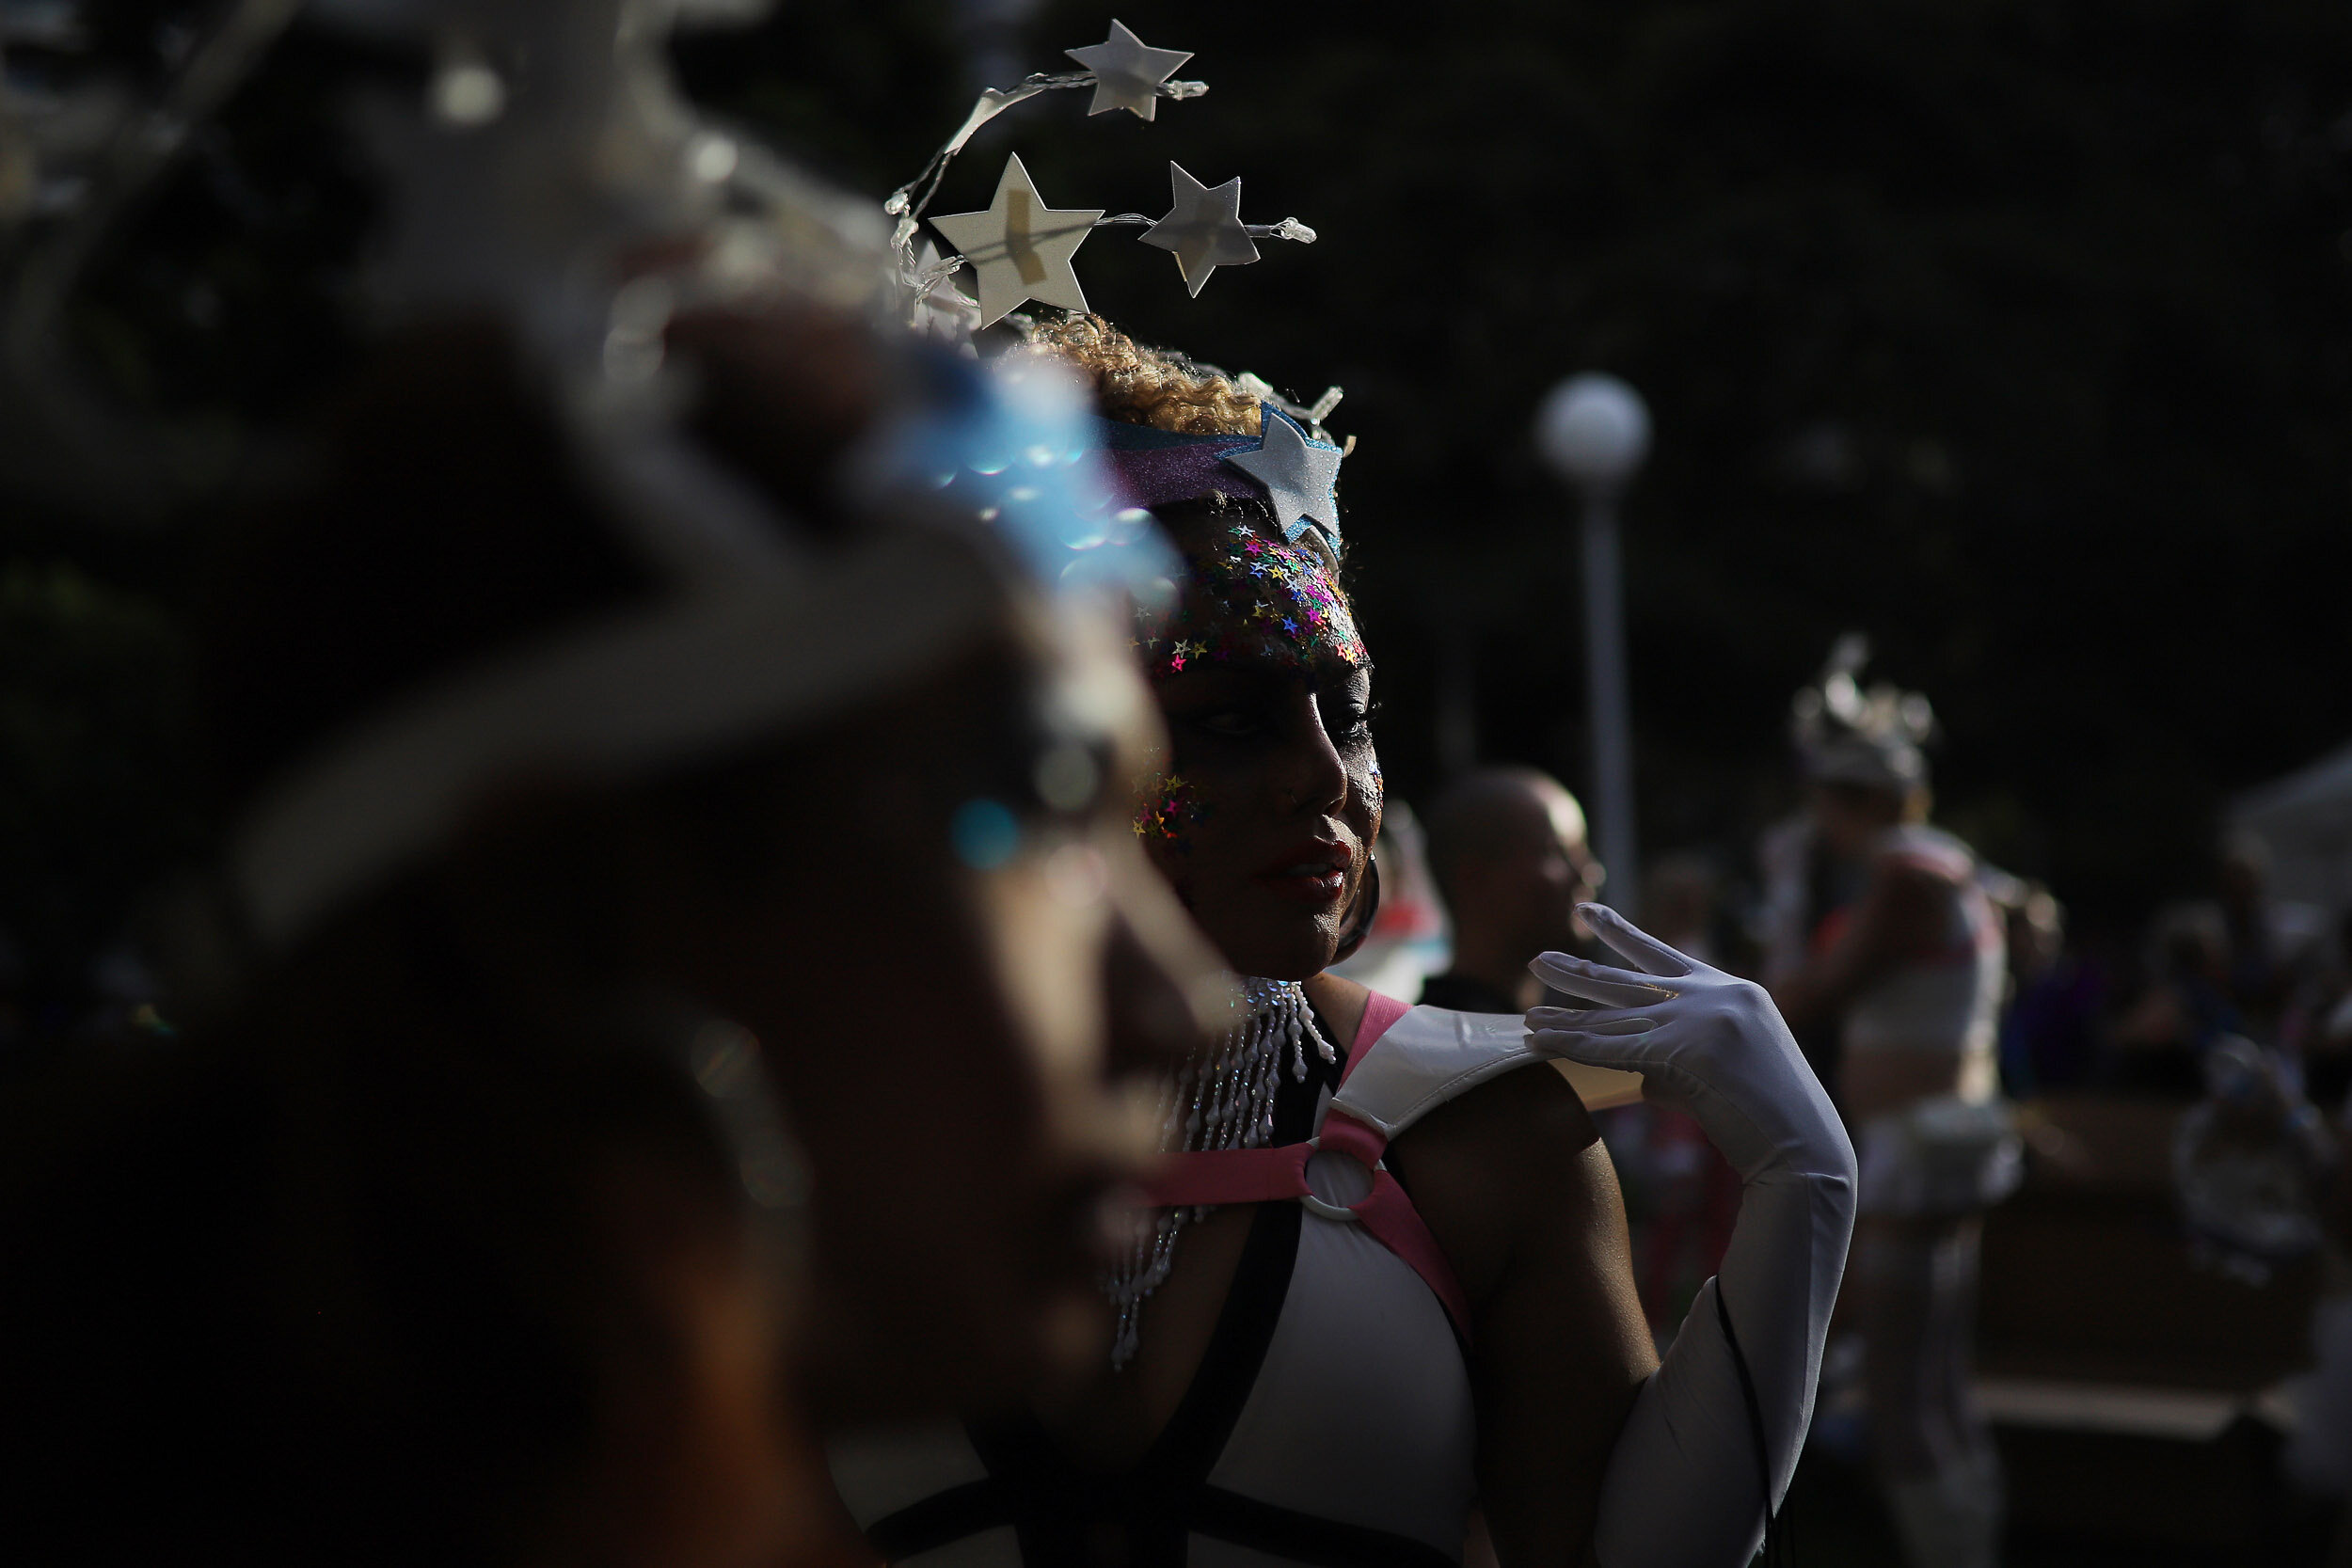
[{"x": 1593, "y": 431}]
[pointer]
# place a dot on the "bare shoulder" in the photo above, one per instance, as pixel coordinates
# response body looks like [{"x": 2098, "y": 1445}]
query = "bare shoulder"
[{"x": 1504, "y": 1170}]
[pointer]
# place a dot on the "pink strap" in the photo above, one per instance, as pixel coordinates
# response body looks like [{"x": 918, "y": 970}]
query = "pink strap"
[
  {"x": 1392, "y": 1220},
  {"x": 1230, "y": 1176},
  {"x": 1279, "y": 1173},
  {"x": 1344, "y": 1132},
  {"x": 1388, "y": 1214},
  {"x": 1274, "y": 1174},
  {"x": 1380, "y": 1016}
]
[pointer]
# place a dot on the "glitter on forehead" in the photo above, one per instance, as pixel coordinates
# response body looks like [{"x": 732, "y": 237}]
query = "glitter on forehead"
[{"x": 1253, "y": 597}]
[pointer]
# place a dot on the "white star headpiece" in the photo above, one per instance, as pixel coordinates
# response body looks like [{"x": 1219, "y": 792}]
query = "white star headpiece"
[
  {"x": 1128, "y": 73},
  {"x": 1204, "y": 228},
  {"x": 1020, "y": 249}
]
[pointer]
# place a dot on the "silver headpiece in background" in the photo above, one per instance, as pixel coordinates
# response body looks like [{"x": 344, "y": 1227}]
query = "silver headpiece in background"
[{"x": 1848, "y": 735}]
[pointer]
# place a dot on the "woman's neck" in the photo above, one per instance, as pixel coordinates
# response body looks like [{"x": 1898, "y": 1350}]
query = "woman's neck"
[{"x": 1341, "y": 1003}]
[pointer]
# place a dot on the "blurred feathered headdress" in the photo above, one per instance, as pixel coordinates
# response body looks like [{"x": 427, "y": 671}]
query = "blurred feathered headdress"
[
  {"x": 1849, "y": 734},
  {"x": 551, "y": 175}
]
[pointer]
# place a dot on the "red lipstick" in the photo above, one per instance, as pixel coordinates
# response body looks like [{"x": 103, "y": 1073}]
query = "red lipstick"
[{"x": 1313, "y": 873}]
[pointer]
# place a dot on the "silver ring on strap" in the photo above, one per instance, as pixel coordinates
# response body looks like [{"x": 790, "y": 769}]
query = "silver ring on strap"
[{"x": 1343, "y": 1178}]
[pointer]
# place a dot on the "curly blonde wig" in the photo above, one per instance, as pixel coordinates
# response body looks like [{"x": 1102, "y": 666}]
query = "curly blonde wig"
[{"x": 1152, "y": 387}]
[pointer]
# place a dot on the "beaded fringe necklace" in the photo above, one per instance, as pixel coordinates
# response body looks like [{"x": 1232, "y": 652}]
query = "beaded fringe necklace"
[{"x": 1221, "y": 1098}]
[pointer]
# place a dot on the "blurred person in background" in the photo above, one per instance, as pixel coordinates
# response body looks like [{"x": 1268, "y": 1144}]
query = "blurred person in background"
[
  {"x": 2319, "y": 1019},
  {"x": 1294, "y": 1380},
  {"x": 2158, "y": 1042},
  {"x": 2273, "y": 942},
  {"x": 678, "y": 948},
  {"x": 2318, "y": 1453},
  {"x": 2050, "y": 1033},
  {"x": 1910, "y": 970},
  {"x": 1507, "y": 848},
  {"x": 2232, "y": 965}
]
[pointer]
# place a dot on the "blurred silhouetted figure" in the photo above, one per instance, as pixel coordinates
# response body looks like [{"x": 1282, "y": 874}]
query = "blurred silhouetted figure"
[
  {"x": 2157, "y": 1045},
  {"x": 2050, "y": 1033},
  {"x": 2319, "y": 1019},
  {"x": 1908, "y": 967},
  {"x": 2272, "y": 942},
  {"x": 1507, "y": 848}
]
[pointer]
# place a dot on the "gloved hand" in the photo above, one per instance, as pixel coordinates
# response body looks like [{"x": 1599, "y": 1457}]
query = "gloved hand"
[
  {"x": 1703, "y": 1041},
  {"x": 1686, "y": 1485}
]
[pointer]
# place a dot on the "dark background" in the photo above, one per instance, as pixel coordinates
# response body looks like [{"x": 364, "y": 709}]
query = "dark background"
[{"x": 2018, "y": 335}]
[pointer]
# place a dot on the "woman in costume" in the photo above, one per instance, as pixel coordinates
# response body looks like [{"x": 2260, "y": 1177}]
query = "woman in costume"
[
  {"x": 1906, "y": 962},
  {"x": 1388, "y": 1283}
]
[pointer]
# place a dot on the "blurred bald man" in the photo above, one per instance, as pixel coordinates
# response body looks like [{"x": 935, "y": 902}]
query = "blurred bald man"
[{"x": 1507, "y": 846}]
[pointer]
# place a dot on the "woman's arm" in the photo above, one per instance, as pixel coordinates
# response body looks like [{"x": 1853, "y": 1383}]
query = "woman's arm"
[
  {"x": 1714, "y": 1437},
  {"x": 1515, "y": 1184}
]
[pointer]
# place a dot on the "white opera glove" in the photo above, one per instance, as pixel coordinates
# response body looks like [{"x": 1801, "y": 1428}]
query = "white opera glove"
[
  {"x": 1703, "y": 1041},
  {"x": 1686, "y": 1485}
]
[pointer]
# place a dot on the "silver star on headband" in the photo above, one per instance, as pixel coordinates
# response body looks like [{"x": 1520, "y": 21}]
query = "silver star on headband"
[
  {"x": 1019, "y": 248},
  {"x": 1203, "y": 228},
  {"x": 1301, "y": 477},
  {"x": 1127, "y": 71}
]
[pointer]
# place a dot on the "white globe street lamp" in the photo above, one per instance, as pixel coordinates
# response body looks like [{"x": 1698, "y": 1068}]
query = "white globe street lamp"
[{"x": 1594, "y": 431}]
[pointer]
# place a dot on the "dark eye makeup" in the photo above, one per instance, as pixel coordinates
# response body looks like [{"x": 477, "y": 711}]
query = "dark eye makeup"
[
  {"x": 1348, "y": 707},
  {"x": 1354, "y": 724},
  {"x": 1247, "y": 705}
]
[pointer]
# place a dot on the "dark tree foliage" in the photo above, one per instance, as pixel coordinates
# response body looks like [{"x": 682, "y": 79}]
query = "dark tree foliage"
[{"x": 2014, "y": 334}]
